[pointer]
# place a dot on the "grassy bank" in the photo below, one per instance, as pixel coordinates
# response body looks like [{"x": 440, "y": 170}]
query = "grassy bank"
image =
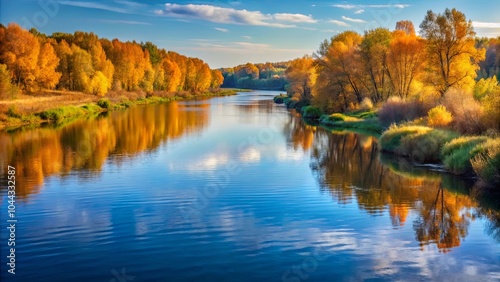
[
  {"x": 461, "y": 155},
  {"x": 55, "y": 107}
]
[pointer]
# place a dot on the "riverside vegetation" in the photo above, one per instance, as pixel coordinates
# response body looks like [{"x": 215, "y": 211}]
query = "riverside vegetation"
[
  {"x": 432, "y": 98},
  {"x": 50, "y": 78}
]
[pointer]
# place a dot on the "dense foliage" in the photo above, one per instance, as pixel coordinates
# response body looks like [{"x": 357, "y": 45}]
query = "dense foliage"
[
  {"x": 82, "y": 61},
  {"x": 268, "y": 76}
]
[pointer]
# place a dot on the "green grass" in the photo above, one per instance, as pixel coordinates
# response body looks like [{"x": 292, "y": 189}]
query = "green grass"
[
  {"x": 364, "y": 120},
  {"x": 391, "y": 138},
  {"x": 457, "y": 153},
  {"x": 311, "y": 112},
  {"x": 425, "y": 147},
  {"x": 486, "y": 161}
]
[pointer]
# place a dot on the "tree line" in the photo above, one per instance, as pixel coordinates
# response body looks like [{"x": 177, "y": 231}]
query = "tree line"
[
  {"x": 350, "y": 68},
  {"x": 31, "y": 61},
  {"x": 262, "y": 76}
]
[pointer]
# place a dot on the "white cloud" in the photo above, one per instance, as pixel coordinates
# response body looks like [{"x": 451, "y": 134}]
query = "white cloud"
[
  {"x": 125, "y": 22},
  {"x": 485, "y": 24},
  {"x": 353, "y": 20},
  {"x": 94, "y": 5},
  {"x": 247, "y": 37},
  {"x": 350, "y": 7},
  {"x": 221, "y": 29},
  {"x": 232, "y": 16},
  {"x": 341, "y": 23},
  {"x": 344, "y": 6},
  {"x": 359, "y": 11},
  {"x": 296, "y": 18}
]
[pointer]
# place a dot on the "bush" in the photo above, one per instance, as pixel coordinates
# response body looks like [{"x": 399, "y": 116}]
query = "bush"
[
  {"x": 491, "y": 114},
  {"x": 486, "y": 162},
  {"x": 466, "y": 111},
  {"x": 391, "y": 138},
  {"x": 311, "y": 112},
  {"x": 397, "y": 111},
  {"x": 280, "y": 99},
  {"x": 457, "y": 153},
  {"x": 295, "y": 103},
  {"x": 61, "y": 113},
  {"x": 439, "y": 116},
  {"x": 366, "y": 104},
  {"x": 424, "y": 147},
  {"x": 13, "y": 111},
  {"x": 103, "y": 103}
]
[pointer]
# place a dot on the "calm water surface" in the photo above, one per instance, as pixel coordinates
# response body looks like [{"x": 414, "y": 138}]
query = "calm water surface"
[{"x": 234, "y": 189}]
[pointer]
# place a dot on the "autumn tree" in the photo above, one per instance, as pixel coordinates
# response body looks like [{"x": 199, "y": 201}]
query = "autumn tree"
[
  {"x": 453, "y": 58},
  {"x": 46, "y": 76},
  {"x": 374, "y": 49},
  {"x": 405, "y": 60},
  {"x": 339, "y": 72},
  {"x": 301, "y": 75},
  {"x": 406, "y": 26},
  {"x": 19, "y": 50},
  {"x": 217, "y": 79}
]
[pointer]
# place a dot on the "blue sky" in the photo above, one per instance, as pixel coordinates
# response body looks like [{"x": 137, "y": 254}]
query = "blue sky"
[{"x": 227, "y": 33}]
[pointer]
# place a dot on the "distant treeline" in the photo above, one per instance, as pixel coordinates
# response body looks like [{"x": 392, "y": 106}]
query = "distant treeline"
[
  {"x": 31, "y": 61},
  {"x": 267, "y": 76}
]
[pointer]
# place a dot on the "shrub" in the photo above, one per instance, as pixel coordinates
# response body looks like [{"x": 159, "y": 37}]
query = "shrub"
[
  {"x": 295, "y": 103},
  {"x": 486, "y": 162},
  {"x": 13, "y": 111},
  {"x": 396, "y": 111},
  {"x": 280, "y": 99},
  {"x": 457, "y": 153},
  {"x": 424, "y": 146},
  {"x": 439, "y": 116},
  {"x": 391, "y": 138},
  {"x": 61, "y": 113},
  {"x": 491, "y": 114},
  {"x": 466, "y": 111},
  {"x": 311, "y": 112},
  {"x": 103, "y": 103},
  {"x": 366, "y": 104}
]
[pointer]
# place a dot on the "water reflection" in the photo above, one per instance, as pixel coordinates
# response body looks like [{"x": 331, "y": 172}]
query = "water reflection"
[
  {"x": 349, "y": 168},
  {"x": 84, "y": 145}
]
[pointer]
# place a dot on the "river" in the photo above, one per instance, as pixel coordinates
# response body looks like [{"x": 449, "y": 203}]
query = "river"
[{"x": 234, "y": 189}]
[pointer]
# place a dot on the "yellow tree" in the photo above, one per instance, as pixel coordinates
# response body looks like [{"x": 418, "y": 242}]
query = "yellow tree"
[
  {"x": 46, "y": 74},
  {"x": 64, "y": 53},
  {"x": 373, "y": 50},
  {"x": 301, "y": 75},
  {"x": 453, "y": 58},
  {"x": 19, "y": 50},
  {"x": 172, "y": 75},
  {"x": 101, "y": 63},
  {"x": 217, "y": 79},
  {"x": 405, "y": 61},
  {"x": 339, "y": 72}
]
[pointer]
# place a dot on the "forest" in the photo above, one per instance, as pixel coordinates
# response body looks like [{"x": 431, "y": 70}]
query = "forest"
[
  {"x": 434, "y": 96},
  {"x": 32, "y": 62},
  {"x": 262, "y": 76}
]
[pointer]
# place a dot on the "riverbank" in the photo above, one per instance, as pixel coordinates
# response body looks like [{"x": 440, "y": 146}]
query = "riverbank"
[
  {"x": 58, "y": 106},
  {"x": 468, "y": 156}
]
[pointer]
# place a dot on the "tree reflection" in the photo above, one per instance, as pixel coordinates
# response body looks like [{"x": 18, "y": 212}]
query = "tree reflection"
[
  {"x": 349, "y": 167},
  {"x": 86, "y": 144},
  {"x": 444, "y": 220}
]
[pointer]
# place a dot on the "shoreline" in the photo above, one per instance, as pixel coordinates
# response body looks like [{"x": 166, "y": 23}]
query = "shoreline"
[
  {"x": 13, "y": 119},
  {"x": 422, "y": 146}
]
